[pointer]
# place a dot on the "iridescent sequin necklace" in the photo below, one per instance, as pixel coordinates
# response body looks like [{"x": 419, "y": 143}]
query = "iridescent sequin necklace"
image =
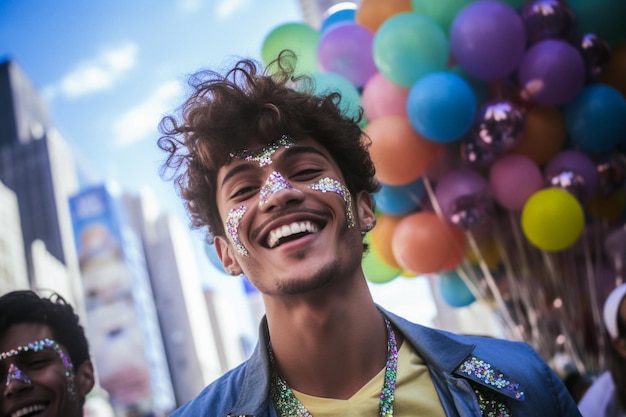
[{"x": 289, "y": 406}]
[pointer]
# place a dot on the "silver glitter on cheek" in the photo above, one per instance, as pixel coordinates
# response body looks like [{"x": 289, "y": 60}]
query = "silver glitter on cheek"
[
  {"x": 232, "y": 228},
  {"x": 330, "y": 185},
  {"x": 273, "y": 184}
]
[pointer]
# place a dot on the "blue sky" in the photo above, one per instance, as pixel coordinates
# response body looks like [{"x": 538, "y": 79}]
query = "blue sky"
[{"x": 109, "y": 69}]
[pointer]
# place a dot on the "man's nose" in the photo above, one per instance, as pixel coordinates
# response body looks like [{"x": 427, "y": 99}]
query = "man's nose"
[
  {"x": 277, "y": 192},
  {"x": 16, "y": 380}
]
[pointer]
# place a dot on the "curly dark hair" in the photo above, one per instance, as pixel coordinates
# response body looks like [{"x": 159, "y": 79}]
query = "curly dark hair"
[
  {"x": 226, "y": 113},
  {"x": 26, "y": 306}
]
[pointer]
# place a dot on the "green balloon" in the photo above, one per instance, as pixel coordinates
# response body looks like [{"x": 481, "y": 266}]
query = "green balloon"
[
  {"x": 300, "y": 38},
  {"x": 442, "y": 12},
  {"x": 408, "y": 46},
  {"x": 375, "y": 270},
  {"x": 328, "y": 82}
]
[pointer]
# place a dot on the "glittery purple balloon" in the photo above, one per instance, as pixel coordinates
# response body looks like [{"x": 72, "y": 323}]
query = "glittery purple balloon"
[
  {"x": 580, "y": 165},
  {"x": 611, "y": 170},
  {"x": 547, "y": 19},
  {"x": 499, "y": 125},
  {"x": 568, "y": 180},
  {"x": 596, "y": 54},
  {"x": 476, "y": 153},
  {"x": 463, "y": 196}
]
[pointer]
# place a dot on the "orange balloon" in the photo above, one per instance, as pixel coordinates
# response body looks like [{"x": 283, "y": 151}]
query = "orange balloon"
[
  {"x": 615, "y": 72},
  {"x": 372, "y": 13},
  {"x": 459, "y": 249},
  {"x": 399, "y": 153},
  {"x": 424, "y": 243},
  {"x": 380, "y": 239},
  {"x": 544, "y": 134}
]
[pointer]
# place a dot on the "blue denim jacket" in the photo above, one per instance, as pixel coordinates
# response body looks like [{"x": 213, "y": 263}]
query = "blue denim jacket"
[{"x": 470, "y": 374}]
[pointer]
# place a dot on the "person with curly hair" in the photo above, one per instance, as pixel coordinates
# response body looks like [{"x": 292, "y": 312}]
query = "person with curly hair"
[
  {"x": 45, "y": 367},
  {"x": 282, "y": 181}
]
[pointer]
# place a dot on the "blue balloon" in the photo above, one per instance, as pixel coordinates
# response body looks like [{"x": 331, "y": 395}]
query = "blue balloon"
[
  {"x": 338, "y": 14},
  {"x": 441, "y": 107},
  {"x": 595, "y": 119},
  {"x": 453, "y": 290},
  {"x": 398, "y": 200}
]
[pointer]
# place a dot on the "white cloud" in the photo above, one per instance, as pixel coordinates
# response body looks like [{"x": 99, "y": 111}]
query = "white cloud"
[
  {"x": 142, "y": 120},
  {"x": 226, "y": 8},
  {"x": 97, "y": 74}
]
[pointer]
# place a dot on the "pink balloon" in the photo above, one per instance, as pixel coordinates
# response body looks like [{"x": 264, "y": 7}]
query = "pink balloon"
[
  {"x": 513, "y": 179},
  {"x": 381, "y": 97}
]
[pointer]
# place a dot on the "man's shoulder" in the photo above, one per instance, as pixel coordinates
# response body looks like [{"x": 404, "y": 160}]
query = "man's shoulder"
[{"x": 218, "y": 397}]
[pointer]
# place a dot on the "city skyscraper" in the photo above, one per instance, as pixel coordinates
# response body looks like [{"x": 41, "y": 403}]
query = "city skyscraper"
[{"x": 37, "y": 165}]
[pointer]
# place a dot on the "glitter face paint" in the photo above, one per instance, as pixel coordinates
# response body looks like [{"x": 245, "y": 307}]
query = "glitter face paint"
[
  {"x": 16, "y": 373},
  {"x": 263, "y": 155},
  {"x": 330, "y": 185},
  {"x": 274, "y": 183},
  {"x": 232, "y": 228}
]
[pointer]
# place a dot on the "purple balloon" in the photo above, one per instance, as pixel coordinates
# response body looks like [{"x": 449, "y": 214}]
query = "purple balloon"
[
  {"x": 611, "y": 170},
  {"x": 346, "y": 50},
  {"x": 499, "y": 125},
  {"x": 551, "y": 73},
  {"x": 487, "y": 39},
  {"x": 578, "y": 164},
  {"x": 547, "y": 19},
  {"x": 463, "y": 196},
  {"x": 596, "y": 54},
  {"x": 476, "y": 152}
]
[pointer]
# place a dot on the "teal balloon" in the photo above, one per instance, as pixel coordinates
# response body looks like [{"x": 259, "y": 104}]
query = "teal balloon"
[
  {"x": 399, "y": 200},
  {"x": 300, "y": 38},
  {"x": 441, "y": 11},
  {"x": 516, "y": 4},
  {"x": 441, "y": 107},
  {"x": 595, "y": 119},
  {"x": 453, "y": 290},
  {"x": 329, "y": 82},
  {"x": 408, "y": 46}
]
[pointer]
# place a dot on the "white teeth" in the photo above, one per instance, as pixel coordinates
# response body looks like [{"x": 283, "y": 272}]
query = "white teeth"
[
  {"x": 28, "y": 410},
  {"x": 288, "y": 230}
]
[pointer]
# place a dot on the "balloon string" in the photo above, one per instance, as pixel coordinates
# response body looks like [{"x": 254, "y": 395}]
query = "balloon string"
[
  {"x": 561, "y": 317},
  {"x": 535, "y": 303},
  {"x": 591, "y": 281},
  {"x": 493, "y": 287}
]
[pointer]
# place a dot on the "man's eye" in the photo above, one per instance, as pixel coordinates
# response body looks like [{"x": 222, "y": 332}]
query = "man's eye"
[
  {"x": 307, "y": 173},
  {"x": 243, "y": 191}
]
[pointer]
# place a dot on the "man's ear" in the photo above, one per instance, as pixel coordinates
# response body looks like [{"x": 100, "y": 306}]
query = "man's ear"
[
  {"x": 84, "y": 379},
  {"x": 224, "y": 252},
  {"x": 365, "y": 210}
]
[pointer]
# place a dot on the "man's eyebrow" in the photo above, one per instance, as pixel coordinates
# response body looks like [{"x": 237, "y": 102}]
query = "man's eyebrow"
[
  {"x": 299, "y": 150},
  {"x": 236, "y": 170}
]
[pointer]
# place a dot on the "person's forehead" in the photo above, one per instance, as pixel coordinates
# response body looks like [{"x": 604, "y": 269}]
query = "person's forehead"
[
  {"x": 261, "y": 155},
  {"x": 20, "y": 335}
]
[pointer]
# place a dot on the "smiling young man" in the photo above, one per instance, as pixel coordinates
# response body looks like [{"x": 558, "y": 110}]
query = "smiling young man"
[
  {"x": 282, "y": 180},
  {"x": 45, "y": 369}
]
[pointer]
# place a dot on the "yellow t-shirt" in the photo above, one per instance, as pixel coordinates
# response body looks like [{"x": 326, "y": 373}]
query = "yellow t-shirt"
[{"x": 415, "y": 393}]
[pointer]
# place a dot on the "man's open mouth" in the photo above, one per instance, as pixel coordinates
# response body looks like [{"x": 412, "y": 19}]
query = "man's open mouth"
[{"x": 289, "y": 232}]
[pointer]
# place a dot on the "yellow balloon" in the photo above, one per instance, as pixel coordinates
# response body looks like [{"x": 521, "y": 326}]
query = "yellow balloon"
[{"x": 552, "y": 219}]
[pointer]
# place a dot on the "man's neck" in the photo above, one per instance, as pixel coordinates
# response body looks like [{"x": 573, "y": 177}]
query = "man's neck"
[{"x": 328, "y": 347}]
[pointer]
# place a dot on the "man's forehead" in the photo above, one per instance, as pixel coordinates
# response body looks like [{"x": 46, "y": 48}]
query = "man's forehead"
[{"x": 30, "y": 347}]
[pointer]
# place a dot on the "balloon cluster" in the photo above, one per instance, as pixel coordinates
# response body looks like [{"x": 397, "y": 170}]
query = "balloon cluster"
[{"x": 498, "y": 130}]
